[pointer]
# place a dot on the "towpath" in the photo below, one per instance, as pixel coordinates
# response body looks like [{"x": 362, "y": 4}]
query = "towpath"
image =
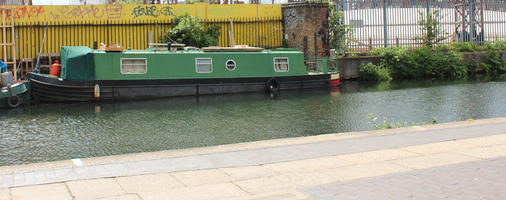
[{"x": 462, "y": 160}]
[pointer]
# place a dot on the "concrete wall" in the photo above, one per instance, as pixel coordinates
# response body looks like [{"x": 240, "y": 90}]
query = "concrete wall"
[
  {"x": 301, "y": 22},
  {"x": 479, "y": 57},
  {"x": 349, "y": 66}
]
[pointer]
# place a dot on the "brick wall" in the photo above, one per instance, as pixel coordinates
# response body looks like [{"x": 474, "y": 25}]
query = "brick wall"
[{"x": 306, "y": 28}]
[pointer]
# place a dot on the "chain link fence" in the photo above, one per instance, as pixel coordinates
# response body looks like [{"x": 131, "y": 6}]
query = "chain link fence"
[{"x": 382, "y": 23}]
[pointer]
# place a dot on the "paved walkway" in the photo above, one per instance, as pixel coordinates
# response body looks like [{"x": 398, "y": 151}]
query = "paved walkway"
[{"x": 463, "y": 160}]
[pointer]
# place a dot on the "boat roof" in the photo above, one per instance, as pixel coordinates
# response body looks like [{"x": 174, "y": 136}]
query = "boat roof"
[{"x": 191, "y": 51}]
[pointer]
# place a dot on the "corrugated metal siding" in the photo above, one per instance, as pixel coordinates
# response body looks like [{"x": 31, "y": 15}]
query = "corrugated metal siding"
[{"x": 265, "y": 31}]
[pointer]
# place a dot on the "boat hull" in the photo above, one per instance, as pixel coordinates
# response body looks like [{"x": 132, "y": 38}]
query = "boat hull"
[
  {"x": 14, "y": 96},
  {"x": 51, "y": 89}
]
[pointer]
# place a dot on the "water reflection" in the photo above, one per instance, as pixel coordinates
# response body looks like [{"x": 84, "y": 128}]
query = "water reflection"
[{"x": 63, "y": 131}]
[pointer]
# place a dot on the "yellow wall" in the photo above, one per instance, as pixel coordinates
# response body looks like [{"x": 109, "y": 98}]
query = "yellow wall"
[{"x": 128, "y": 25}]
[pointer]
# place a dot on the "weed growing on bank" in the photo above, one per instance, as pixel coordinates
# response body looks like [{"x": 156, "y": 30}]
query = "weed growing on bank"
[{"x": 388, "y": 125}]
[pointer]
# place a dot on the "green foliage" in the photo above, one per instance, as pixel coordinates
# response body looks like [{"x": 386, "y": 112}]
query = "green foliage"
[
  {"x": 189, "y": 31},
  {"x": 126, "y": 2},
  {"x": 340, "y": 33},
  {"x": 471, "y": 47},
  {"x": 500, "y": 45},
  {"x": 493, "y": 63},
  {"x": 432, "y": 33},
  {"x": 439, "y": 63},
  {"x": 387, "y": 125},
  {"x": 372, "y": 72},
  {"x": 473, "y": 66},
  {"x": 464, "y": 46},
  {"x": 399, "y": 61}
]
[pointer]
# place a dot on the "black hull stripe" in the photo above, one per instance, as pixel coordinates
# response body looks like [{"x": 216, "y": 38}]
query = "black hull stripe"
[{"x": 51, "y": 89}]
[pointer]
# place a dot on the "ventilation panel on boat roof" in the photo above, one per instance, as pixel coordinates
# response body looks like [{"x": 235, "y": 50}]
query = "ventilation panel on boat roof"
[{"x": 77, "y": 63}]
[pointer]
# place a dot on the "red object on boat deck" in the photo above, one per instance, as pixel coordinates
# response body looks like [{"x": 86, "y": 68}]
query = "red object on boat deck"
[{"x": 56, "y": 68}]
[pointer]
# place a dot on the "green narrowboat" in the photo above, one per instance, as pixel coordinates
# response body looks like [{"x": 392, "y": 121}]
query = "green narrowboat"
[{"x": 100, "y": 75}]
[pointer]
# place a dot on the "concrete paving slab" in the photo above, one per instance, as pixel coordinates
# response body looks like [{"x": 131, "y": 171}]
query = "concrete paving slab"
[
  {"x": 123, "y": 197},
  {"x": 148, "y": 183},
  {"x": 202, "y": 177},
  {"x": 215, "y": 191},
  {"x": 248, "y": 172},
  {"x": 486, "y": 152},
  {"x": 487, "y": 141},
  {"x": 439, "y": 147},
  {"x": 459, "y": 181},
  {"x": 41, "y": 192},
  {"x": 376, "y": 156},
  {"x": 95, "y": 189},
  {"x": 434, "y": 160},
  {"x": 308, "y": 164},
  {"x": 266, "y": 184},
  {"x": 5, "y": 194},
  {"x": 278, "y": 195},
  {"x": 364, "y": 170}
]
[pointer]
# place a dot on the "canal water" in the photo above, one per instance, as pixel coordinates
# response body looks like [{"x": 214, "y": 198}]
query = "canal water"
[{"x": 48, "y": 132}]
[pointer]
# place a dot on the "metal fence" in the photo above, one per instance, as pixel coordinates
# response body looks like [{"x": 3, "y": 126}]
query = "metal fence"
[
  {"x": 12, "y": 2},
  {"x": 381, "y": 23},
  {"x": 84, "y": 24}
]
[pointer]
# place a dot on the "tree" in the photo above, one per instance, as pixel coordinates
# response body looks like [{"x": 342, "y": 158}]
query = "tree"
[
  {"x": 188, "y": 30},
  {"x": 340, "y": 33},
  {"x": 432, "y": 33}
]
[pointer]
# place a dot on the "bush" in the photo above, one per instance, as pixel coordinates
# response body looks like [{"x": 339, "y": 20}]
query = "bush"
[
  {"x": 463, "y": 46},
  {"x": 494, "y": 63},
  {"x": 438, "y": 63},
  {"x": 372, "y": 72},
  {"x": 500, "y": 45},
  {"x": 189, "y": 31},
  {"x": 399, "y": 62}
]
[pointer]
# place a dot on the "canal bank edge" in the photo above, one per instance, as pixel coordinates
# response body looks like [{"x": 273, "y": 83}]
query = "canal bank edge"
[
  {"x": 349, "y": 67},
  {"x": 123, "y": 158}
]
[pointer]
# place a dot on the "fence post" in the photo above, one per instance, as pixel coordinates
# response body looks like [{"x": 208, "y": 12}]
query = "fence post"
[
  {"x": 385, "y": 34},
  {"x": 428, "y": 9},
  {"x": 471, "y": 21},
  {"x": 338, "y": 45},
  {"x": 370, "y": 43}
]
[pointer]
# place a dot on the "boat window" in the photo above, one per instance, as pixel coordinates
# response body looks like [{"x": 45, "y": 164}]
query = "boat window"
[
  {"x": 230, "y": 65},
  {"x": 281, "y": 64},
  {"x": 204, "y": 65},
  {"x": 133, "y": 65}
]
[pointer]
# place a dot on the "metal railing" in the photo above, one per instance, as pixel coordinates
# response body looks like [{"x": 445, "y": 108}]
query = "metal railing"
[
  {"x": 14, "y": 2},
  {"x": 381, "y": 23},
  {"x": 321, "y": 65}
]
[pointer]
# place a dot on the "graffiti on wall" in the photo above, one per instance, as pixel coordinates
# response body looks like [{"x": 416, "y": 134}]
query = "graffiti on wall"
[
  {"x": 26, "y": 12},
  {"x": 91, "y": 12},
  {"x": 69, "y": 13},
  {"x": 152, "y": 11}
]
